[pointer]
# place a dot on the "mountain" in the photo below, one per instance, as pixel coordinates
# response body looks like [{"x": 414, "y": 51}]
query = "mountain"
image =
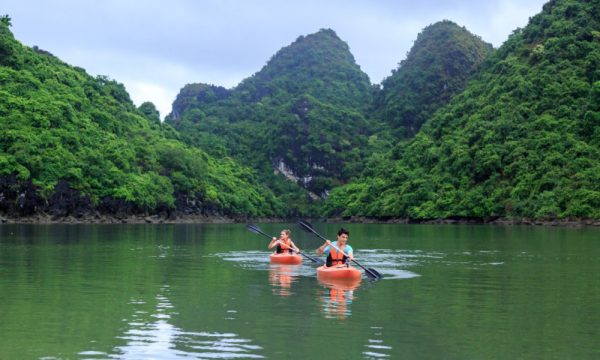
[
  {"x": 457, "y": 131},
  {"x": 303, "y": 114},
  {"x": 522, "y": 139},
  {"x": 438, "y": 66},
  {"x": 319, "y": 65},
  {"x": 75, "y": 145}
]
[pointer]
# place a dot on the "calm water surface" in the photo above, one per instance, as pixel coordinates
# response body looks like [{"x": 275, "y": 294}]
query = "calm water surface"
[{"x": 208, "y": 291}]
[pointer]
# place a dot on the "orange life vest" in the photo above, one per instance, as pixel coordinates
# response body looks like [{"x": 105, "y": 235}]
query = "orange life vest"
[
  {"x": 335, "y": 257},
  {"x": 283, "y": 248}
]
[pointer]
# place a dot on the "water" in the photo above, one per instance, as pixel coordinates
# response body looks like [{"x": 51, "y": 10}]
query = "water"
[{"x": 208, "y": 291}]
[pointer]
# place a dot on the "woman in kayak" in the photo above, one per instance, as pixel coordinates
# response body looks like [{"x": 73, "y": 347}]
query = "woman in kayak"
[
  {"x": 334, "y": 256},
  {"x": 284, "y": 243}
]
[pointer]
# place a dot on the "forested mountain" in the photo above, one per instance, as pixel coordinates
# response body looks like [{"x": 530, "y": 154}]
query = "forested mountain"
[
  {"x": 72, "y": 144},
  {"x": 459, "y": 130},
  {"x": 438, "y": 66},
  {"x": 303, "y": 113},
  {"x": 522, "y": 140}
]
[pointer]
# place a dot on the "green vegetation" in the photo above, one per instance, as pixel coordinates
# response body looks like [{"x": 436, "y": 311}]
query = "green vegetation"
[
  {"x": 437, "y": 67},
  {"x": 457, "y": 131},
  {"x": 71, "y": 143},
  {"x": 522, "y": 140},
  {"x": 304, "y": 111}
]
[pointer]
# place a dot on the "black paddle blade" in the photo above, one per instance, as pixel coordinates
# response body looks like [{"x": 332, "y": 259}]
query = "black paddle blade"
[
  {"x": 255, "y": 229},
  {"x": 376, "y": 273},
  {"x": 370, "y": 272},
  {"x": 306, "y": 226},
  {"x": 370, "y": 275},
  {"x": 373, "y": 274}
]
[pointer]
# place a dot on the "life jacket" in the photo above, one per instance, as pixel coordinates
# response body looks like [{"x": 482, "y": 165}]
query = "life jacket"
[
  {"x": 287, "y": 248},
  {"x": 335, "y": 257}
]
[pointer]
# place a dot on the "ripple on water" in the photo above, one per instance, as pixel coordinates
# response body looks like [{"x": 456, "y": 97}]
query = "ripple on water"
[
  {"x": 166, "y": 341},
  {"x": 155, "y": 337},
  {"x": 376, "y": 348},
  {"x": 259, "y": 260},
  {"x": 391, "y": 264}
]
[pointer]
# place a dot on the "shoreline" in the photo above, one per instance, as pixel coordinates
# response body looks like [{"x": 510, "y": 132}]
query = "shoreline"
[
  {"x": 568, "y": 222},
  {"x": 45, "y": 219}
]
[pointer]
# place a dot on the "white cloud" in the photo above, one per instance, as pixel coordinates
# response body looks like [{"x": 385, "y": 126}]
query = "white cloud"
[{"x": 159, "y": 95}]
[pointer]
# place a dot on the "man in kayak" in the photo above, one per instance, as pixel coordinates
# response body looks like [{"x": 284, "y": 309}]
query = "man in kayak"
[
  {"x": 284, "y": 243},
  {"x": 335, "y": 256}
]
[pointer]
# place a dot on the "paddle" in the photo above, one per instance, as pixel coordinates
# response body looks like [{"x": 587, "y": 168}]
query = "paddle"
[
  {"x": 255, "y": 229},
  {"x": 371, "y": 273}
]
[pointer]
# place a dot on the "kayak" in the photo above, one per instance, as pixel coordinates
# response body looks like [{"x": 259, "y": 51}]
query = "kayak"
[
  {"x": 286, "y": 258},
  {"x": 338, "y": 273}
]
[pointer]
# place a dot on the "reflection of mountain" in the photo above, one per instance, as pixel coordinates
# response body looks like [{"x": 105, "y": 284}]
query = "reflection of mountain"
[
  {"x": 152, "y": 335},
  {"x": 79, "y": 291}
]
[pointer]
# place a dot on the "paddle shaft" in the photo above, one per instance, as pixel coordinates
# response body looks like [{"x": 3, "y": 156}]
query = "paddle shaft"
[
  {"x": 346, "y": 255},
  {"x": 258, "y": 230},
  {"x": 370, "y": 272}
]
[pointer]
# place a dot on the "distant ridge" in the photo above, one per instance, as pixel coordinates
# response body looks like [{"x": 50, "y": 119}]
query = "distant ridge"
[
  {"x": 303, "y": 113},
  {"x": 75, "y": 146},
  {"x": 521, "y": 141},
  {"x": 438, "y": 66}
]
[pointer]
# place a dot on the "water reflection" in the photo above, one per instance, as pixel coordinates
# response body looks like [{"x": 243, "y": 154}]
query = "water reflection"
[
  {"x": 255, "y": 260},
  {"x": 393, "y": 264},
  {"x": 150, "y": 335},
  {"x": 337, "y": 297},
  {"x": 376, "y": 348},
  {"x": 281, "y": 277}
]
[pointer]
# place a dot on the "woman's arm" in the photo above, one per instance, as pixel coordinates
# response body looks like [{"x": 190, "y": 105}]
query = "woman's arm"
[
  {"x": 273, "y": 243},
  {"x": 296, "y": 249}
]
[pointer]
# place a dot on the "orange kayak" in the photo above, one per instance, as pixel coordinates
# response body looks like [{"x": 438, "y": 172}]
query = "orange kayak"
[
  {"x": 338, "y": 273},
  {"x": 286, "y": 258}
]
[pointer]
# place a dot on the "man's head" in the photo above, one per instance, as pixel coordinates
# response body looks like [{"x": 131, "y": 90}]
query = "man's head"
[{"x": 343, "y": 236}]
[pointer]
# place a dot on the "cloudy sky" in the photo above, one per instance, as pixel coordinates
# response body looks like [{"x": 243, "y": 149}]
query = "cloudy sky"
[{"x": 156, "y": 47}]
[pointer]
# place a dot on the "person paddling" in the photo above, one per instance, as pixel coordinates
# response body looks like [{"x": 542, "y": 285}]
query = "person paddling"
[
  {"x": 284, "y": 243},
  {"x": 334, "y": 256}
]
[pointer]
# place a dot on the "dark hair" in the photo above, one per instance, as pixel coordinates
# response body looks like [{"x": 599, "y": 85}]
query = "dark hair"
[{"x": 343, "y": 231}]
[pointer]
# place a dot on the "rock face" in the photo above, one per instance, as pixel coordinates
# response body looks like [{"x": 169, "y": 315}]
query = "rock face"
[
  {"x": 306, "y": 107},
  {"x": 68, "y": 205}
]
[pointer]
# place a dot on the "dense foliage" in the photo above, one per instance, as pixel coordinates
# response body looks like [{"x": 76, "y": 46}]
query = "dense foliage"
[
  {"x": 438, "y": 66},
  {"x": 523, "y": 139},
  {"x": 71, "y": 143},
  {"x": 303, "y": 112},
  {"x": 458, "y": 130}
]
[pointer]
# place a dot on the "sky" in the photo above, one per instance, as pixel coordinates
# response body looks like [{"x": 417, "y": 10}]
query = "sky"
[{"x": 156, "y": 47}]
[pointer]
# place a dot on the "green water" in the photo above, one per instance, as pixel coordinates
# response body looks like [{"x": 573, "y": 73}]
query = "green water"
[{"x": 208, "y": 291}]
